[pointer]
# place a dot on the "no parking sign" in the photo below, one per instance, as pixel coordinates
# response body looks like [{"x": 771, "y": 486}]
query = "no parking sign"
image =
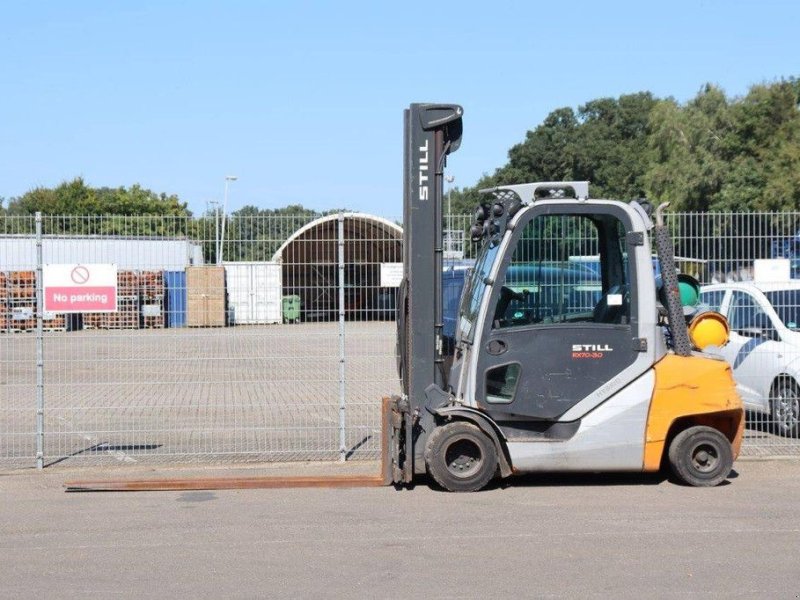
[{"x": 77, "y": 288}]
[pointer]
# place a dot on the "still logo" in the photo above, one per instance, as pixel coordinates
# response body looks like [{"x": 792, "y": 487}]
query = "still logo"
[
  {"x": 590, "y": 350},
  {"x": 423, "y": 172}
]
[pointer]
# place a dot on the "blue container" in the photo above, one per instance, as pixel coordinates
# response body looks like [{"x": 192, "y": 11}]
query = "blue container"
[{"x": 175, "y": 284}]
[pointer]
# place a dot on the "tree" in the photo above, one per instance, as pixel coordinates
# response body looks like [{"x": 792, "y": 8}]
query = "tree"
[
  {"x": 609, "y": 146},
  {"x": 76, "y": 198},
  {"x": 75, "y": 208},
  {"x": 721, "y": 155},
  {"x": 709, "y": 154},
  {"x": 765, "y": 158},
  {"x": 604, "y": 142},
  {"x": 256, "y": 233},
  {"x": 686, "y": 165}
]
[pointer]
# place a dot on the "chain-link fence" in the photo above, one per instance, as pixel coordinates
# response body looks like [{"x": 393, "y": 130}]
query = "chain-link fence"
[
  {"x": 271, "y": 341},
  {"x": 273, "y": 338}
]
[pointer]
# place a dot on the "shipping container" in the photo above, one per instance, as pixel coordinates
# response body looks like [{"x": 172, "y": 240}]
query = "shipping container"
[
  {"x": 175, "y": 300},
  {"x": 254, "y": 292},
  {"x": 18, "y": 252}
]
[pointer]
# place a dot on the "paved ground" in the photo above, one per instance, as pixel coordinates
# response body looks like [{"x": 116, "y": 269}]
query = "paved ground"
[
  {"x": 259, "y": 393},
  {"x": 210, "y": 395},
  {"x": 541, "y": 537}
]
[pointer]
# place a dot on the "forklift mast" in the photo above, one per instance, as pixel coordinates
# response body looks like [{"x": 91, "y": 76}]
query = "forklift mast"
[{"x": 432, "y": 131}]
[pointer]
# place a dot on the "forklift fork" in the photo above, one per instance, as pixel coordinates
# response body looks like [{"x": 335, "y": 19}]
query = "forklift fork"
[{"x": 397, "y": 463}]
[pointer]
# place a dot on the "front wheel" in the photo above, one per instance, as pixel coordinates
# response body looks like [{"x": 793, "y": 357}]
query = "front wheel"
[
  {"x": 460, "y": 457},
  {"x": 701, "y": 456},
  {"x": 785, "y": 408}
]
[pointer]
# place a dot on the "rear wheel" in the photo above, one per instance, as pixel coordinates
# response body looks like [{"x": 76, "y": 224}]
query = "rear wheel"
[
  {"x": 460, "y": 457},
  {"x": 701, "y": 456},
  {"x": 785, "y": 408}
]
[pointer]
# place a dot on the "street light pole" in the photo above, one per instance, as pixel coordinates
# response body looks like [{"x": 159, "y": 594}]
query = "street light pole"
[
  {"x": 228, "y": 179},
  {"x": 215, "y": 205},
  {"x": 449, "y": 179}
]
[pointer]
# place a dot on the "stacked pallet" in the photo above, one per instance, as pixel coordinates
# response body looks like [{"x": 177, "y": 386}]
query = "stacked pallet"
[
  {"x": 205, "y": 295},
  {"x": 151, "y": 294},
  {"x": 127, "y": 315},
  {"x": 18, "y": 304},
  {"x": 21, "y": 300},
  {"x": 4, "y": 312},
  {"x": 54, "y": 322}
]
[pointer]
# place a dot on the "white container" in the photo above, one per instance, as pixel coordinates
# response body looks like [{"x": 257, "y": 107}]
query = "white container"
[
  {"x": 18, "y": 252},
  {"x": 772, "y": 270},
  {"x": 254, "y": 292}
]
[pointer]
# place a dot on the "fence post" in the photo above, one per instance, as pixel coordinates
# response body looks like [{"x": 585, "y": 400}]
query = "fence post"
[
  {"x": 342, "y": 437},
  {"x": 39, "y": 348}
]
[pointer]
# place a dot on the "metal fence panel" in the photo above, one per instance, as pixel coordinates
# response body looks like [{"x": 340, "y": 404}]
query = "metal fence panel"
[
  {"x": 173, "y": 375},
  {"x": 725, "y": 249},
  {"x": 17, "y": 351}
]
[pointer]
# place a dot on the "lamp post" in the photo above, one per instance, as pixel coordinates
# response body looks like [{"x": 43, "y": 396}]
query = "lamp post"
[
  {"x": 449, "y": 179},
  {"x": 228, "y": 179},
  {"x": 215, "y": 205}
]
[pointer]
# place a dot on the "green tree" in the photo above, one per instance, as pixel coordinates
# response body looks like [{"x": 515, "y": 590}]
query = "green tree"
[
  {"x": 76, "y": 198},
  {"x": 712, "y": 153},
  {"x": 765, "y": 150},
  {"x": 256, "y": 233},
  {"x": 685, "y": 150},
  {"x": 76, "y": 208},
  {"x": 604, "y": 142},
  {"x": 728, "y": 155}
]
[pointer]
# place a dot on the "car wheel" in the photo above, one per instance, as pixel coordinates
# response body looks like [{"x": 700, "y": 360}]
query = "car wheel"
[
  {"x": 460, "y": 457},
  {"x": 784, "y": 404},
  {"x": 701, "y": 456}
]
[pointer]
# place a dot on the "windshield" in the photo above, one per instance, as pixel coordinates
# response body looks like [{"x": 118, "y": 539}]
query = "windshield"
[
  {"x": 787, "y": 304},
  {"x": 474, "y": 290}
]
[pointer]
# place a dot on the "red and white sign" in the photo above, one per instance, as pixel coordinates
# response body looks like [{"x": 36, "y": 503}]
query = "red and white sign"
[{"x": 80, "y": 288}]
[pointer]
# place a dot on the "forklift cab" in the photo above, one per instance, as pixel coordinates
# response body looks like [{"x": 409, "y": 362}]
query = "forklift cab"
[{"x": 548, "y": 337}]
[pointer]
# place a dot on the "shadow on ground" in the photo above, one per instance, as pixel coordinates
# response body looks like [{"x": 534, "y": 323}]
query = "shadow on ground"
[{"x": 534, "y": 480}]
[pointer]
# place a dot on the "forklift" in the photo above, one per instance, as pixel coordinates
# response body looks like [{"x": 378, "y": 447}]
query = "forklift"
[
  {"x": 550, "y": 370},
  {"x": 569, "y": 354}
]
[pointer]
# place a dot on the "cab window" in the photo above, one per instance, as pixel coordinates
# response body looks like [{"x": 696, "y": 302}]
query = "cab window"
[{"x": 566, "y": 269}]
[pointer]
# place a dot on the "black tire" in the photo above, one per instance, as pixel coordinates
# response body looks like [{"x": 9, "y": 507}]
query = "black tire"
[
  {"x": 784, "y": 408},
  {"x": 460, "y": 457},
  {"x": 701, "y": 456}
]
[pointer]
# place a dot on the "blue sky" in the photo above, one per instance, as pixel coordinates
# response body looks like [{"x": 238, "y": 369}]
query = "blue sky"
[{"x": 303, "y": 101}]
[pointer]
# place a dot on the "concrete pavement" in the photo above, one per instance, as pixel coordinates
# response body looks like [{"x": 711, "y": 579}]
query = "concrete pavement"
[{"x": 609, "y": 536}]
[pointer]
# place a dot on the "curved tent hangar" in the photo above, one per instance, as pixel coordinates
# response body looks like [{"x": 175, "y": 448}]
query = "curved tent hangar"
[{"x": 310, "y": 266}]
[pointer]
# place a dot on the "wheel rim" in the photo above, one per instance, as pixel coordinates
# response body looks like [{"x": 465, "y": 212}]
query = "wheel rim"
[
  {"x": 463, "y": 458},
  {"x": 787, "y": 408},
  {"x": 705, "y": 458}
]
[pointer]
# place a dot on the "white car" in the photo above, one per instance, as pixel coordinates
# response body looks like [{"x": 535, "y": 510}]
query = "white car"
[{"x": 764, "y": 347}]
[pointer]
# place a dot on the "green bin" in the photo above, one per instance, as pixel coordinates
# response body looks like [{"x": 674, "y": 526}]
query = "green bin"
[{"x": 291, "y": 309}]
